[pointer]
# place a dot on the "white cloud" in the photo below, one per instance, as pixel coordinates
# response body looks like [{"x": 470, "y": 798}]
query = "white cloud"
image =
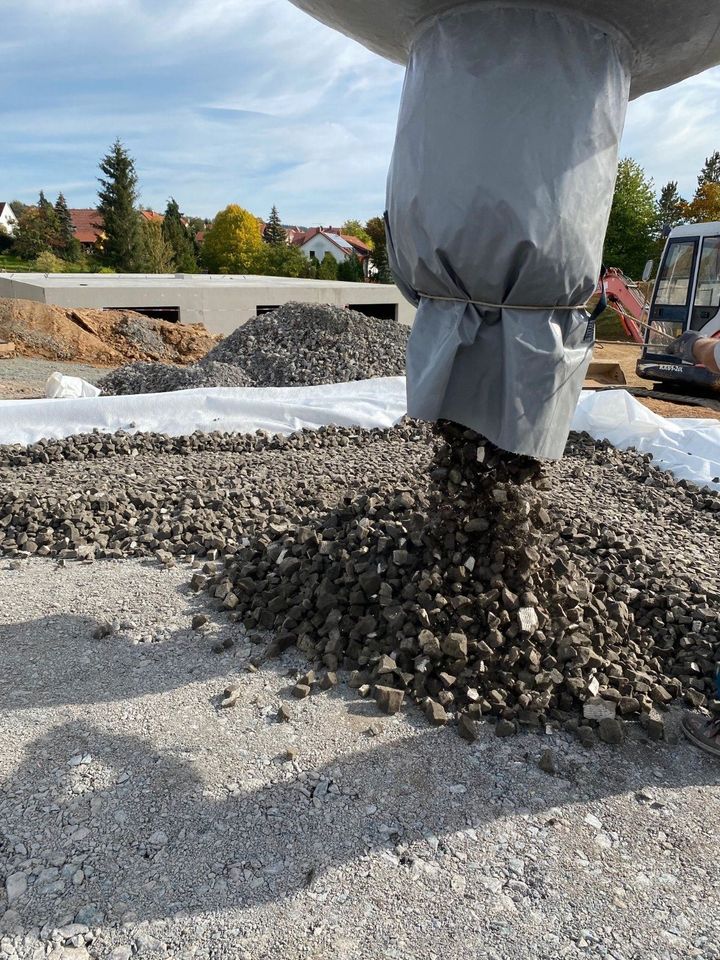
[
  {"x": 248, "y": 101},
  {"x": 670, "y": 133}
]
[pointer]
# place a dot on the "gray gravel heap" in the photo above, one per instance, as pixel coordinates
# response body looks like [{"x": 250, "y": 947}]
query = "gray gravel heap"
[
  {"x": 142, "y": 377},
  {"x": 472, "y": 598},
  {"x": 138, "y": 331},
  {"x": 436, "y": 571},
  {"x": 297, "y": 344}
]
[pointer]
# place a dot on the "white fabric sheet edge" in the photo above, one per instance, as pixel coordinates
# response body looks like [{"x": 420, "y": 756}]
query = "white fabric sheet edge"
[{"x": 688, "y": 448}]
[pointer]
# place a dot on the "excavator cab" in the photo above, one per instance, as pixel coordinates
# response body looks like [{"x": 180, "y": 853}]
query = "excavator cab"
[{"x": 686, "y": 297}]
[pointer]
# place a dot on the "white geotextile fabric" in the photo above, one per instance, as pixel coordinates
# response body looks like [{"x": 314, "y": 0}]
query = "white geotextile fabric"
[
  {"x": 688, "y": 448},
  {"x": 368, "y": 403}
]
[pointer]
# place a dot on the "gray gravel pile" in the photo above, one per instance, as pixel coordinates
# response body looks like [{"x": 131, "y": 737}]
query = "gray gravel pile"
[
  {"x": 303, "y": 343},
  {"x": 297, "y": 344},
  {"x": 443, "y": 573},
  {"x": 473, "y": 598},
  {"x": 138, "y": 331},
  {"x": 136, "y": 378}
]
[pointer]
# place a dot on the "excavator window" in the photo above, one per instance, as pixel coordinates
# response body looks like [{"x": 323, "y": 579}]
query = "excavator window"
[
  {"x": 670, "y": 306},
  {"x": 673, "y": 284},
  {"x": 708, "y": 288}
]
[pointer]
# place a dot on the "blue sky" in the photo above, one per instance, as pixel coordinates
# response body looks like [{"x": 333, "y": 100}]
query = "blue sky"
[{"x": 245, "y": 101}]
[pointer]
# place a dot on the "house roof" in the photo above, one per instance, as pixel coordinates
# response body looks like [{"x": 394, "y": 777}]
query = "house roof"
[
  {"x": 361, "y": 248},
  {"x": 3, "y": 204},
  {"x": 88, "y": 225},
  {"x": 152, "y": 215},
  {"x": 346, "y": 243}
]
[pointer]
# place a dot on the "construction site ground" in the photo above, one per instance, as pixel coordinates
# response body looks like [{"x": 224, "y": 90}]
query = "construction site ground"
[
  {"x": 24, "y": 377},
  {"x": 156, "y": 824},
  {"x": 626, "y": 354}
]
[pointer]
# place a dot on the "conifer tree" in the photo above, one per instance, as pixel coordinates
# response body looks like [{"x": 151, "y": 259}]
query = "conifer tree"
[
  {"x": 178, "y": 237},
  {"x": 710, "y": 172},
  {"x": 68, "y": 245},
  {"x": 275, "y": 234},
  {"x": 671, "y": 205},
  {"x": 118, "y": 198}
]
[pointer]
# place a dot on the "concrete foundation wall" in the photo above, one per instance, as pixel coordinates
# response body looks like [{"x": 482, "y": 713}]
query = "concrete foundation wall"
[{"x": 221, "y": 303}]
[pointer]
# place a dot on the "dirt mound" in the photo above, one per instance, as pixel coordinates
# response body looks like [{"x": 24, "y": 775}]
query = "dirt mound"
[{"x": 99, "y": 337}]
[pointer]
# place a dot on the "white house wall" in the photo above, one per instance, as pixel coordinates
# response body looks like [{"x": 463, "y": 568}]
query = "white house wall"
[
  {"x": 320, "y": 245},
  {"x": 8, "y": 220}
]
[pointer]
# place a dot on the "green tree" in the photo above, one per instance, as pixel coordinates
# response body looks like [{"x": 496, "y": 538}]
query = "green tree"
[
  {"x": 275, "y": 233},
  {"x": 283, "y": 261},
  {"x": 47, "y": 262},
  {"x": 351, "y": 270},
  {"x": 197, "y": 224},
  {"x": 376, "y": 231},
  {"x": 178, "y": 237},
  {"x": 31, "y": 236},
  {"x": 66, "y": 230},
  {"x": 155, "y": 255},
  {"x": 69, "y": 246},
  {"x": 118, "y": 197},
  {"x": 353, "y": 228},
  {"x": 710, "y": 172},
  {"x": 671, "y": 206},
  {"x": 233, "y": 243},
  {"x": 43, "y": 203},
  {"x": 19, "y": 207},
  {"x": 632, "y": 227},
  {"x": 328, "y": 269}
]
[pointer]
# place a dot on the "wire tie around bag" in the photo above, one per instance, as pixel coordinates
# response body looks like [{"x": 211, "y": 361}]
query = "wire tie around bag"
[{"x": 501, "y": 306}]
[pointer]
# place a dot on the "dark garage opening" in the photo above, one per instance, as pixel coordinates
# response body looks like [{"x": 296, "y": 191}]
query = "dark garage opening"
[
  {"x": 381, "y": 311},
  {"x": 171, "y": 314}
]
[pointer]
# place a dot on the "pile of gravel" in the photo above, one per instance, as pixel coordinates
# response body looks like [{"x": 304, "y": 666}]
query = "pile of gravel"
[
  {"x": 297, "y": 344},
  {"x": 472, "y": 598},
  {"x": 140, "y": 331},
  {"x": 136, "y": 378},
  {"x": 432, "y": 568},
  {"x": 306, "y": 344}
]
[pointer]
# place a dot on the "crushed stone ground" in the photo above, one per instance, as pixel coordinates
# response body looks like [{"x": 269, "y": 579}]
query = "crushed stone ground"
[
  {"x": 141, "y": 819},
  {"x": 554, "y": 604}
]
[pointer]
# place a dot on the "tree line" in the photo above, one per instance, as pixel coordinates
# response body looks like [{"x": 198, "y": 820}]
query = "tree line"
[
  {"x": 639, "y": 221},
  {"x": 234, "y": 242}
]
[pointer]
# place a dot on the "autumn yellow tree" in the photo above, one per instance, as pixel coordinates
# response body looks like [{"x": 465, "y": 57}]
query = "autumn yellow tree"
[
  {"x": 233, "y": 244},
  {"x": 705, "y": 205}
]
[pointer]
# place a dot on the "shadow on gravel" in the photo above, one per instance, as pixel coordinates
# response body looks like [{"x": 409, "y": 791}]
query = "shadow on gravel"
[
  {"x": 262, "y": 845},
  {"x": 57, "y": 661}
]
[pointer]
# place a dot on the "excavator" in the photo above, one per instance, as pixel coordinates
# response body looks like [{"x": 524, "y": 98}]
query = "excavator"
[{"x": 685, "y": 296}]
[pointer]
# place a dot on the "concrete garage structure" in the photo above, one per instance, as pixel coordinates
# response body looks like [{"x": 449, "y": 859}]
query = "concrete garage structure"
[{"x": 221, "y": 302}]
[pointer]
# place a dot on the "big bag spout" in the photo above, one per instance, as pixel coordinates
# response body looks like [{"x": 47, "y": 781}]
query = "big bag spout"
[{"x": 499, "y": 194}]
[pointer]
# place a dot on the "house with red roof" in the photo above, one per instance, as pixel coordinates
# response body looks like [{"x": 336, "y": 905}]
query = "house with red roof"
[
  {"x": 88, "y": 226},
  {"x": 318, "y": 241}
]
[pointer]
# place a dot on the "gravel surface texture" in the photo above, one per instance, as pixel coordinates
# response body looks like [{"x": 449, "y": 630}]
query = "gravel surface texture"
[
  {"x": 299, "y": 343},
  {"x": 425, "y": 568},
  {"x": 141, "y": 818}
]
